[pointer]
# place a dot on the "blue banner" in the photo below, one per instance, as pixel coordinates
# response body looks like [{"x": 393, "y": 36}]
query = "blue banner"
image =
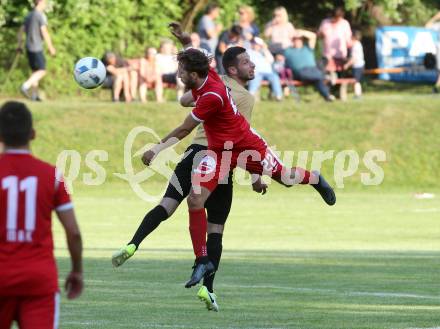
[{"x": 405, "y": 47}]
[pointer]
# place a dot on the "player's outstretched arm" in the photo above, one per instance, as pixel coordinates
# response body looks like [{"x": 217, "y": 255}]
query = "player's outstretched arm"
[
  {"x": 172, "y": 138},
  {"x": 74, "y": 281},
  {"x": 183, "y": 37}
]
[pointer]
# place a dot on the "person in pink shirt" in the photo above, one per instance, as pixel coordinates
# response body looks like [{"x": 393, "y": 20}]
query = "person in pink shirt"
[
  {"x": 336, "y": 34},
  {"x": 279, "y": 31}
]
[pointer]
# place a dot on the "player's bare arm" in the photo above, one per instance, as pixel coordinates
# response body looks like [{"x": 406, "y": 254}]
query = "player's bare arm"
[
  {"x": 171, "y": 139},
  {"x": 74, "y": 281}
]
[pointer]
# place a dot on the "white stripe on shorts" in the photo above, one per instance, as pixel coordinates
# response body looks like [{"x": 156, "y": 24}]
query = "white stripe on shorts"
[{"x": 56, "y": 310}]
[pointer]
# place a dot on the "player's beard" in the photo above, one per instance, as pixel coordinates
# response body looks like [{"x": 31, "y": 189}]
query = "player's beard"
[
  {"x": 246, "y": 75},
  {"x": 190, "y": 83}
]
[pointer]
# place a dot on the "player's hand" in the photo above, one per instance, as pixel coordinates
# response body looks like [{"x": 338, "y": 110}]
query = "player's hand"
[
  {"x": 148, "y": 156},
  {"x": 176, "y": 30},
  {"x": 259, "y": 187},
  {"x": 74, "y": 285}
]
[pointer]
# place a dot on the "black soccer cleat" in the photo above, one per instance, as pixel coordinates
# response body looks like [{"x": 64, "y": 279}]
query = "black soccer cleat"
[
  {"x": 200, "y": 270},
  {"x": 325, "y": 190}
]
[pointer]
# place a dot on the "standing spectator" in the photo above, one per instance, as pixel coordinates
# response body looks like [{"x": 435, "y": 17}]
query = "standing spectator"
[
  {"x": 434, "y": 23},
  {"x": 279, "y": 31},
  {"x": 229, "y": 38},
  {"x": 301, "y": 60},
  {"x": 336, "y": 34},
  {"x": 118, "y": 76},
  {"x": 263, "y": 59},
  {"x": 357, "y": 62},
  {"x": 167, "y": 66},
  {"x": 31, "y": 191},
  {"x": 150, "y": 76},
  {"x": 208, "y": 29},
  {"x": 35, "y": 26},
  {"x": 246, "y": 22}
]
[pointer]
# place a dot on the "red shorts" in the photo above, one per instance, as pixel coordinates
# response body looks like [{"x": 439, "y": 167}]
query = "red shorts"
[
  {"x": 216, "y": 165},
  {"x": 30, "y": 312}
]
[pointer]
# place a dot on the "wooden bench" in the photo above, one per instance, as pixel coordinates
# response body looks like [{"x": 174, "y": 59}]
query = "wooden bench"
[{"x": 342, "y": 82}]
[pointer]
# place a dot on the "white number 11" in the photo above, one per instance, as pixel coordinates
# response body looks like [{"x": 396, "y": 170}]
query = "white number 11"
[{"x": 14, "y": 186}]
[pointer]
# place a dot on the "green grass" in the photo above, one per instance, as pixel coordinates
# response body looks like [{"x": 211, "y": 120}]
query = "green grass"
[
  {"x": 289, "y": 261},
  {"x": 372, "y": 261}
]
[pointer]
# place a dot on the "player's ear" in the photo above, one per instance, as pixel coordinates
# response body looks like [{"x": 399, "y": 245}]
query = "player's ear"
[
  {"x": 33, "y": 134},
  {"x": 232, "y": 70}
]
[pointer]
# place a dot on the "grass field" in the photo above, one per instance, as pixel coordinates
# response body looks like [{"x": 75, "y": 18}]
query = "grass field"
[{"x": 289, "y": 261}]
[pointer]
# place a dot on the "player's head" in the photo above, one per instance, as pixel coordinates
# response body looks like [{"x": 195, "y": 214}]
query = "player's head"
[
  {"x": 237, "y": 64},
  {"x": 16, "y": 128},
  {"x": 193, "y": 67}
]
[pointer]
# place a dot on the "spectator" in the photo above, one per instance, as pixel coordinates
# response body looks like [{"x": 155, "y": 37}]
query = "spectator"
[
  {"x": 285, "y": 74},
  {"x": 246, "y": 22},
  {"x": 336, "y": 35},
  {"x": 434, "y": 23},
  {"x": 35, "y": 26},
  {"x": 301, "y": 60},
  {"x": 208, "y": 29},
  {"x": 197, "y": 43},
  {"x": 118, "y": 77},
  {"x": 229, "y": 38},
  {"x": 167, "y": 66},
  {"x": 150, "y": 76},
  {"x": 357, "y": 62},
  {"x": 263, "y": 59},
  {"x": 279, "y": 31}
]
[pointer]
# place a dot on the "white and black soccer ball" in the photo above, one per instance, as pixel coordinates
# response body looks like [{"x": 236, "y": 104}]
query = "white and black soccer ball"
[{"x": 89, "y": 72}]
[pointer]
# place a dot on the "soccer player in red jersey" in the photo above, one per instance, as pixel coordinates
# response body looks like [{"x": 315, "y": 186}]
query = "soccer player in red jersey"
[
  {"x": 29, "y": 190},
  {"x": 231, "y": 143}
]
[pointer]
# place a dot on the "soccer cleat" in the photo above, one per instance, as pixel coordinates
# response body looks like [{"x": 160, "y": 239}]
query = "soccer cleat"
[
  {"x": 200, "y": 270},
  {"x": 120, "y": 256},
  {"x": 209, "y": 298},
  {"x": 325, "y": 190}
]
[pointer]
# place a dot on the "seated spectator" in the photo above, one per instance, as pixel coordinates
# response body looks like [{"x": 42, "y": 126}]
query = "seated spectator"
[
  {"x": 208, "y": 29},
  {"x": 279, "y": 31},
  {"x": 248, "y": 27},
  {"x": 301, "y": 60},
  {"x": 263, "y": 59},
  {"x": 285, "y": 74},
  {"x": 167, "y": 66},
  {"x": 356, "y": 62},
  {"x": 336, "y": 34},
  {"x": 229, "y": 38},
  {"x": 150, "y": 76},
  {"x": 118, "y": 76}
]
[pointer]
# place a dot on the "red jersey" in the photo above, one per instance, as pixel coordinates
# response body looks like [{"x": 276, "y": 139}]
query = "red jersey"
[
  {"x": 219, "y": 114},
  {"x": 29, "y": 191}
]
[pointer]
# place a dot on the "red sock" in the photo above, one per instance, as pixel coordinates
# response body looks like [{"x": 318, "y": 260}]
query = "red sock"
[
  {"x": 303, "y": 176},
  {"x": 197, "y": 229}
]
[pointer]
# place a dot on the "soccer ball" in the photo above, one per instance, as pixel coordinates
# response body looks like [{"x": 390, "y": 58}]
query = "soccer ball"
[{"x": 89, "y": 72}]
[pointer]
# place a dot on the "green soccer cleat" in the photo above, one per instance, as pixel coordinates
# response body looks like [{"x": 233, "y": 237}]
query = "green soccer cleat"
[
  {"x": 209, "y": 298},
  {"x": 120, "y": 256}
]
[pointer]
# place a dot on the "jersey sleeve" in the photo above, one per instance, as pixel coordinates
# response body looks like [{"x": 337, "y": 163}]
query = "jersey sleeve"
[
  {"x": 62, "y": 197},
  {"x": 207, "y": 105}
]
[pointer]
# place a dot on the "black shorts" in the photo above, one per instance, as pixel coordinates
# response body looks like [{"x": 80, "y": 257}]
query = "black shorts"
[
  {"x": 219, "y": 202},
  {"x": 358, "y": 73},
  {"x": 169, "y": 78},
  {"x": 36, "y": 60}
]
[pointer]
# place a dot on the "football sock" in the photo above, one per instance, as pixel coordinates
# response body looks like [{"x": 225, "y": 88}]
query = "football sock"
[
  {"x": 215, "y": 247},
  {"x": 302, "y": 176},
  {"x": 150, "y": 222},
  {"x": 197, "y": 230}
]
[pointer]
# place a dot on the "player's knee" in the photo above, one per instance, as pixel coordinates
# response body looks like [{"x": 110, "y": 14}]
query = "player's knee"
[{"x": 195, "y": 201}]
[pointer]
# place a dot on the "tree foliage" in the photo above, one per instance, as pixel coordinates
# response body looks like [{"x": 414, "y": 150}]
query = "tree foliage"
[{"x": 90, "y": 27}]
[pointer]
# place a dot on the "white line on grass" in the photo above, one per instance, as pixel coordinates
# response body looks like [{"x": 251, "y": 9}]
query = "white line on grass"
[{"x": 333, "y": 291}]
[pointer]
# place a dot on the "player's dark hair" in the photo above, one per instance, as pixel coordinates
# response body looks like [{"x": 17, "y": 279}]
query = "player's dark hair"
[
  {"x": 230, "y": 57},
  {"x": 193, "y": 60},
  {"x": 211, "y": 7},
  {"x": 15, "y": 124}
]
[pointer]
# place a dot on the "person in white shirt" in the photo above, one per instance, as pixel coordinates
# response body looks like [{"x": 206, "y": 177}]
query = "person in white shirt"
[{"x": 356, "y": 62}]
